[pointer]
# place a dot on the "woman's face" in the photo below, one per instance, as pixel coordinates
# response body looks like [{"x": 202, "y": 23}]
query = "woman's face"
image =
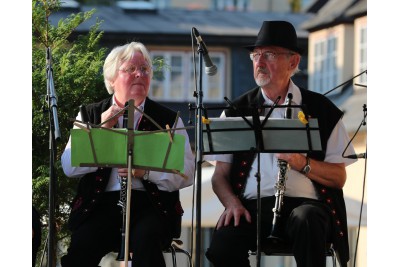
[{"x": 132, "y": 80}]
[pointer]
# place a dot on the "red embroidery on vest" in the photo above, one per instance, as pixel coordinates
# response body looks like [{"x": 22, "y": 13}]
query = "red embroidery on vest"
[{"x": 77, "y": 203}]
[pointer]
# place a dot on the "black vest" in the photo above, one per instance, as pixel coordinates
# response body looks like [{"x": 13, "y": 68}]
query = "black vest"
[
  {"x": 92, "y": 185},
  {"x": 321, "y": 108}
]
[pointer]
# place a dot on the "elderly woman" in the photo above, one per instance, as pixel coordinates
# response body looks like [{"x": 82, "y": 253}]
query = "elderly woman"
[{"x": 96, "y": 219}]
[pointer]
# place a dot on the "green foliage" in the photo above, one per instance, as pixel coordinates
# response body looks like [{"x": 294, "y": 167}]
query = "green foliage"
[
  {"x": 159, "y": 65},
  {"x": 76, "y": 65},
  {"x": 76, "y": 70}
]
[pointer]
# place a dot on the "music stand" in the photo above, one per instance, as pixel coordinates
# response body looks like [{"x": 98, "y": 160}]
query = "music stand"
[
  {"x": 95, "y": 146},
  {"x": 260, "y": 135},
  {"x": 220, "y": 136}
]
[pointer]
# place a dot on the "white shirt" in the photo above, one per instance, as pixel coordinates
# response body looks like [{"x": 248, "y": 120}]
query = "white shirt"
[
  {"x": 164, "y": 181},
  {"x": 297, "y": 184}
]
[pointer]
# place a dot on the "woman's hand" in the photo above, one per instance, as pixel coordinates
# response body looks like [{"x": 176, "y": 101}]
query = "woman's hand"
[
  {"x": 109, "y": 113},
  {"x": 137, "y": 173}
]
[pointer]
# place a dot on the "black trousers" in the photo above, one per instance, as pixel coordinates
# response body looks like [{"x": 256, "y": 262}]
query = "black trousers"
[
  {"x": 306, "y": 225},
  {"x": 101, "y": 234}
]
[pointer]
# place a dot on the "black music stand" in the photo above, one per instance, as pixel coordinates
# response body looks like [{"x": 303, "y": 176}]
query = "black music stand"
[
  {"x": 95, "y": 146},
  {"x": 278, "y": 135},
  {"x": 260, "y": 135}
]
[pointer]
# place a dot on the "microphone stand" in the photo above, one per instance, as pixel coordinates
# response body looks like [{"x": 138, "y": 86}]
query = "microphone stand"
[
  {"x": 260, "y": 147},
  {"x": 363, "y": 123},
  {"x": 346, "y": 82},
  {"x": 199, "y": 153},
  {"x": 54, "y": 135},
  {"x": 356, "y": 156},
  {"x": 257, "y": 126}
]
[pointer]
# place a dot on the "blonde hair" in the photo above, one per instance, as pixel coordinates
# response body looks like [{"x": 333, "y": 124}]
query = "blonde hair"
[{"x": 118, "y": 56}]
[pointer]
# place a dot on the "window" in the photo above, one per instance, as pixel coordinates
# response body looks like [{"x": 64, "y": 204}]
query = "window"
[
  {"x": 318, "y": 67},
  {"x": 363, "y": 54},
  {"x": 331, "y": 57},
  {"x": 325, "y": 70},
  {"x": 230, "y": 4},
  {"x": 175, "y": 81}
]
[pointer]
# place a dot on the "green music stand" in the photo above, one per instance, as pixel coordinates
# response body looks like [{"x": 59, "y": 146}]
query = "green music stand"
[{"x": 160, "y": 150}]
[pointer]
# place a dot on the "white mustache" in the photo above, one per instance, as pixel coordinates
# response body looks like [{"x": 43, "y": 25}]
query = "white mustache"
[{"x": 262, "y": 70}]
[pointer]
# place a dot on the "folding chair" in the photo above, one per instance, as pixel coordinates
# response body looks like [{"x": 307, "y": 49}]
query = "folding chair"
[
  {"x": 174, "y": 248},
  {"x": 283, "y": 249}
]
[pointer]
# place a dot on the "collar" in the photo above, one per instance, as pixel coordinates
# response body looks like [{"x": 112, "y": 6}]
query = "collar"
[
  {"x": 141, "y": 106},
  {"x": 294, "y": 89},
  {"x": 137, "y": 115}
]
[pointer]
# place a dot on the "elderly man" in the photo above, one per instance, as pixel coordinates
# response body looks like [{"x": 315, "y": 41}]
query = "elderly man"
[{"x": 313, "y": 212}]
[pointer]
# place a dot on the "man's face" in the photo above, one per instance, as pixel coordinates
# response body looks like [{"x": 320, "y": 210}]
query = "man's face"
[{"x": 272, "y": 65}]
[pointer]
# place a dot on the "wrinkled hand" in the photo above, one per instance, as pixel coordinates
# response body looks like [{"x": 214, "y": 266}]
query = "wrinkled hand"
[
  {"x": 296, "y": 161},
  {"x": 138, "y": 173},
  {"x": 233, "y": 212},
  {"x": 111, "y": 111}
]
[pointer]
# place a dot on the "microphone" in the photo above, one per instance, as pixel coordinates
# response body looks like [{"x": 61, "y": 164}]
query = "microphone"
[
  {"x": 357, "y": 156},
  {"x": 84, "y": 114},
  {"x": 211, "y": 69},
  {"x": 288, "y": 111}
]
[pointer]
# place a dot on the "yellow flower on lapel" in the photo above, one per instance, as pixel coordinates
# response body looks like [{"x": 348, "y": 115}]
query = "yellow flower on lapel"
[{"x": 302, "y": 117}]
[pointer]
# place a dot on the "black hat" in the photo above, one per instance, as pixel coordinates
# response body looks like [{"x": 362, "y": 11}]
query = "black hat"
[{"x": 277, "y": 33}]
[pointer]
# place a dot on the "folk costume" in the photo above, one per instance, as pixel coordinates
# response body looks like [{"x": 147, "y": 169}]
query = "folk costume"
[{"x": 96, "y": 220}]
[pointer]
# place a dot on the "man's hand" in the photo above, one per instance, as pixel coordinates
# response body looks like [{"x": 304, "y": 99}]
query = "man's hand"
[
  {"x": 233, "y": 212},
  {"x": 296, "y": 161},
  {"x": 326, "y": 173},
  {"x": 234, "y": 208}
]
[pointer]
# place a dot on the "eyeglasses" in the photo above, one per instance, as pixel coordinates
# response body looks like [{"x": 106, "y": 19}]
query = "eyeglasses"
[
  {"x": 144, "y": 69},
  {"x": 267, "y": 55}
]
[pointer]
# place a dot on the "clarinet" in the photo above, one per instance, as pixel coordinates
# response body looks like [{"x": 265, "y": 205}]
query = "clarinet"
[
  {"x": 122, "y": 204},
  {"x": 280, "y": 186},
  {"x": 122, "y": 200}
]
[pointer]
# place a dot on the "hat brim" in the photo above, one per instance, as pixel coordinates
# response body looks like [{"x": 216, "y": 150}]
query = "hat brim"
[{"x": 294, "y": 49}]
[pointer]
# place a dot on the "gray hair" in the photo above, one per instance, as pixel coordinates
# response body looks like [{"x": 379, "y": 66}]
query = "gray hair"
[
  {"x": 118, "y": 56},
  {"x": 297, "y": 69}
]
